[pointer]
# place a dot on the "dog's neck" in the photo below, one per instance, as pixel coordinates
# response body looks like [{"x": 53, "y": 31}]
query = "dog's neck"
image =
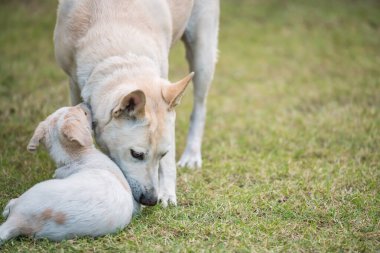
[
  {"x": 117, "y": 68},
  {"x": 114, "y": 77}
]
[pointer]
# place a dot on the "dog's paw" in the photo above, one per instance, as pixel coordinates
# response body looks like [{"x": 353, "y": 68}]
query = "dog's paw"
[
  {"x": 191, "y": 160},
  {"x": 167, "y": 199}
]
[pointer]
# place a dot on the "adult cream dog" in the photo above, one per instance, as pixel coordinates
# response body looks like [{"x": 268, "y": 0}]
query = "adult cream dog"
[
  {"x": 92, "y": 197},
  {"x": 116, "y": 55}
]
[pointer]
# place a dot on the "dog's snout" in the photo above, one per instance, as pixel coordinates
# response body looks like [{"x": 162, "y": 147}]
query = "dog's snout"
[{"x": 149, "y": 198}]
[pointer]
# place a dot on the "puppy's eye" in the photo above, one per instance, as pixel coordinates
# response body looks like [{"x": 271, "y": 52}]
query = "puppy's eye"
[
  {"x": 85, "y": 113},
  {"x": 164, "y": 154},
  {"x": 138, "y": 155},
  {"x": 94, "y": 124}
]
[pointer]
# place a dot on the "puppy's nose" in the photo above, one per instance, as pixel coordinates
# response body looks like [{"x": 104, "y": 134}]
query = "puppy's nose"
[{"x": 148, "y": 199}]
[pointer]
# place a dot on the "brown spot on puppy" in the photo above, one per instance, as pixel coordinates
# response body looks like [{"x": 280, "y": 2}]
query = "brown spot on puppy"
[
  {"x": 26, "y": 227},
  {"x": 27, "y": 231},
  {"x": 59, "y": 218},
  {"x": 47, "y": 214}
]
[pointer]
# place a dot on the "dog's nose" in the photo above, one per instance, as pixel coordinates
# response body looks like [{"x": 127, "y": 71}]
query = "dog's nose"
[{"x": 148, "y": 199}]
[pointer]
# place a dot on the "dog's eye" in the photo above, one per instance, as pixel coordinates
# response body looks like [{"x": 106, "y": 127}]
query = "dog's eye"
[
  {"x": 138, "y": 155},
  {"x": 164, "y": 154},
  {"x": 85, "y": 113}
]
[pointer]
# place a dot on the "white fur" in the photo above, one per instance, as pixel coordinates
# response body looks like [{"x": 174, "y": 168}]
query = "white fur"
[
  {"x": 90, "y": 196},
  {"x": 201, "y": 41}
]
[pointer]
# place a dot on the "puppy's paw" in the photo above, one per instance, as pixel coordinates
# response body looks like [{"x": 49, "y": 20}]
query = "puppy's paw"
[
  {"x": 32, "y": 148},
  {"x": 167, "y": 199},
  {"x": 8, "y": 208},
  {"x": 190, "y": 159},
  {"x": 6, "y": 213}
]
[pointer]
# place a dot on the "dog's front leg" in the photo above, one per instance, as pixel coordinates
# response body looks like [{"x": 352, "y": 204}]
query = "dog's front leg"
[
  {"x": 167, "y": 180},
  {"x": 168, "y": 174}
]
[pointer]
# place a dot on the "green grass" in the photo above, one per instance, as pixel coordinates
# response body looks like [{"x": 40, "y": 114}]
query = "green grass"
[{"x": 292, "y": 145}]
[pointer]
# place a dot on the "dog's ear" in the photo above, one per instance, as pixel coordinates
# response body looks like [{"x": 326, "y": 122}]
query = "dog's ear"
[
  {"x": 132, "y": 105},
  {"x": 39, "y": 133},
  {"x": 74, "y": 131},
  {"x": 173, "y": 93}
]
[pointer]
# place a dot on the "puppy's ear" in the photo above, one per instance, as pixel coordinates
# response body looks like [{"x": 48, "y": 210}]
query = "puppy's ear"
[
  {"x": 39, "y": 133},
  {"x": 74, "y": 131},
  {"x": 132, "y": 105},
  {"x": 86, "y": 108},
  {"x": 173, "y": 93}
]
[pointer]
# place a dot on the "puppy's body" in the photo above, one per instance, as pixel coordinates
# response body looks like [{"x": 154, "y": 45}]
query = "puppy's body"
[
  {"x": 113, "y": 48},
  {"x": 91, "y": 202},
  {"x": 91, "y": 197}
]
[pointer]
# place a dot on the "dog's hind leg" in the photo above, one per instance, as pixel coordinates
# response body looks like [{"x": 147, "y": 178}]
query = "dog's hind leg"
[{"x": 201, "y": 41}]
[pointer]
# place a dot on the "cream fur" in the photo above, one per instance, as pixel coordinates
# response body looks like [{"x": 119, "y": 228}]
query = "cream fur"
[
  {"x": 89, "y": 197},
  {"x": 111, "y": 48}
]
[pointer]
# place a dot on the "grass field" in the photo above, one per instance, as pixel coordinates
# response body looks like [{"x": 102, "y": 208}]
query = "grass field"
[{"x": 292, "y": 145}]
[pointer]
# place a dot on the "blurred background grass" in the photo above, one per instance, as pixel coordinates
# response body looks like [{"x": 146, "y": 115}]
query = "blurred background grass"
[{"x": 291, "y": 148}]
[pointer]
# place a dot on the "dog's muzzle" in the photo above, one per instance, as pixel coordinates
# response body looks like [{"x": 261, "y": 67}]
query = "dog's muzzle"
[
  {"x": 149, "y": 198},
  {"x": 142, "y": 194}
]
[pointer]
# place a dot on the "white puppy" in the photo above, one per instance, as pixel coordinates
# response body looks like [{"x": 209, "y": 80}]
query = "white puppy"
[{"x": 92, "y": 197}]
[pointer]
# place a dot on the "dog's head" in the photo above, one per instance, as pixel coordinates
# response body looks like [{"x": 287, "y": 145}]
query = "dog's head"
[
  {"x": 64, "y": 133},
  {"x": 136, "y": 129}
]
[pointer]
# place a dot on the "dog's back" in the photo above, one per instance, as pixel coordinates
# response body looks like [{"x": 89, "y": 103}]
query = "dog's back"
[{"x": 87, "y": 27}]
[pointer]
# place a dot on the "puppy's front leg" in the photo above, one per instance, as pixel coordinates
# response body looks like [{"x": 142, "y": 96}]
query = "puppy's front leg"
[{"x": 9, "y": 207}]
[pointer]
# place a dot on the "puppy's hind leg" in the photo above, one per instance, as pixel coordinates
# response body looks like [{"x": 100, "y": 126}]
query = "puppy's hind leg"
[
  {"x": 9, "y": 229},
  {"x": 201, "y": 41}
]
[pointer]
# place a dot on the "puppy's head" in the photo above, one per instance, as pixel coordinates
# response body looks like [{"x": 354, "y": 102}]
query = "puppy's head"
[{"x": 64, "y": 132}]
